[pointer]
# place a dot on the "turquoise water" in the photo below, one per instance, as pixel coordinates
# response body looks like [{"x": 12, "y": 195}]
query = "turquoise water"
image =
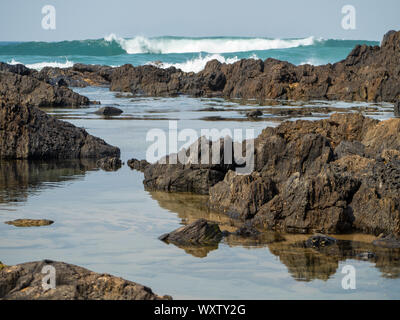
[{"x": 189, "y": 54}]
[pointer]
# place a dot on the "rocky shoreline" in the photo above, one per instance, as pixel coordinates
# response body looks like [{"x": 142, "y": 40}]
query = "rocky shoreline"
[{"x": 367, "y": 74}]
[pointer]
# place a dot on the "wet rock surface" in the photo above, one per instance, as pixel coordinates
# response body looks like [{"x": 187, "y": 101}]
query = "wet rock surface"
[
  {"x": 24, "y": 282},
  {"x": 199, "y": 232},
  {"x": 30, "y": 222},
  {"x": 319, "y": 240},
  {"x": 29, "y": 133},
  {"x": 109, "y": 111}
]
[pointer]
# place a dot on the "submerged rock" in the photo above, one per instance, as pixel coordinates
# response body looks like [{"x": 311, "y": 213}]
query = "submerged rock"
[
  {"x": 197, "y": 233},
  {"x": 319, "y": 240},
  {"x": 109, "y": 163},
  {"x": 30, "y": 222},
  {"x": 109, "y": 111},
  {"x": 390, "y": 241},
  {"x": 29, "y": 133},
  {"x": 139, "y": 165},
  {"x": 24, "y": 282},
  {"x": 254, "y": 114}
]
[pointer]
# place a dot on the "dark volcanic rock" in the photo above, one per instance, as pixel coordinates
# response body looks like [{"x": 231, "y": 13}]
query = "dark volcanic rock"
[
  {"x": 197, "y": 171},
  {"x": 27, "y": 90},
  {"x": 109, "y": 163},
  {"x": 139, "y": 165},
  {"x": 397, "y": 108},
  {"x": 29, "y": 133},
  {"x": 199, "y": 232},
  {"x": 301, "y": 185},
  {"x": 109, "y": 111},
  {"x": 367, "y": 74},
  {"x": 24, "y": 282}
]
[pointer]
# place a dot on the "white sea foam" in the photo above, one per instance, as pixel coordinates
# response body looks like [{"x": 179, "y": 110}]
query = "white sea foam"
[
  {"x": 40, "y": 65},
  {"x": 199, "y": 63},
  {"x": 164, "y": 45}
]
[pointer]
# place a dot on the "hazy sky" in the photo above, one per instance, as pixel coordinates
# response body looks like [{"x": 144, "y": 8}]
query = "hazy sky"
[{"x": 92, "y": 19}]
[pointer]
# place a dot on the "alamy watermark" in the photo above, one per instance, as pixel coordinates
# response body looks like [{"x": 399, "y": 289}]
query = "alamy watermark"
[
  {"x": 49, "y": 280},
  {"x": 214, "y": 146},
  {"x": 349, "y": 280},
  {"x": 349, "y": 18},
  {"x": 49, "y": 18}
]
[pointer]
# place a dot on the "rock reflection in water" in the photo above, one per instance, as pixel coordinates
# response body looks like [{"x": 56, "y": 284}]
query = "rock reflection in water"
[
  {"x": 304, "y": 264},
  {"x": 22, "y": 178}
]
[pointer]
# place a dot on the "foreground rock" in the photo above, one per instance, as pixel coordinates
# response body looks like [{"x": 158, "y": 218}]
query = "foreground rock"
[
  {"x": 199, "y": 232},
  {"x": 335, "y": 175},
  {"x": 24, "y": 282},
  {"x": 30, "y": 222},
  {"x": 29, "y": 133}
]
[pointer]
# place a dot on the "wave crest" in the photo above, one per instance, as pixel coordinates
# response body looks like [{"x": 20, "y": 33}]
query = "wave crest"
[{"x": 165, "y": 45}]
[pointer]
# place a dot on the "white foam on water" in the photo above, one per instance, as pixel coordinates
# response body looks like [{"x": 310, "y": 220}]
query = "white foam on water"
[
  {"x": 199, "y": 63},
  {"x": 165, "y": 45},
  {"x": 40, "y": 65}
]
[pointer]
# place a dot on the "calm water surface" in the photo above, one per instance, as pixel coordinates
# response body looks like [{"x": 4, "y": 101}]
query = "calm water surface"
[{"x": 107, "y": 222}]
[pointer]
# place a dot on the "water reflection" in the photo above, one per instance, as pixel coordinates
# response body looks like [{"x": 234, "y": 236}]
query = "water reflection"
[
  {"x": 303, "y": 264},
  {"x": 21, "y": 178}
]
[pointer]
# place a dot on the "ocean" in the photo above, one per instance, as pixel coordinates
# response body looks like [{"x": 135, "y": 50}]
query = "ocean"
[{"x": 188, "y": 54}]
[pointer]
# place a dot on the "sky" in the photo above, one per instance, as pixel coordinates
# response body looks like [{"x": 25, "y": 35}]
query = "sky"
[{"x": 21, "y": 20}]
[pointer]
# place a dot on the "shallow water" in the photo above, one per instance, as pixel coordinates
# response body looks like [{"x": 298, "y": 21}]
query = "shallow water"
[{"x": 107, "y": 222}]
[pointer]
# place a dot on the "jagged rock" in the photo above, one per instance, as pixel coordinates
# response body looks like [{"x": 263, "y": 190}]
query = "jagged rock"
[
  {"x": 197, "y": 173},
  {"x": 29, "y": 133},
  {"x": 367, "y": 74},
  {"x": 319, "y": 240},
  {"x": 109, "y": 111},
  {"x": 26, "y": 90},
  {"x": 30, "y": 222},
  {"x": 316, "y": 189},
  {"x": 139, "y": 165},
  {"x": 241, "y": 196},
  {"x": 348, "y": 148},
  {"x": 109, "y": 163},
  {"x": 24, "y": 282},
  {"x": 199, "y": 232}
]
